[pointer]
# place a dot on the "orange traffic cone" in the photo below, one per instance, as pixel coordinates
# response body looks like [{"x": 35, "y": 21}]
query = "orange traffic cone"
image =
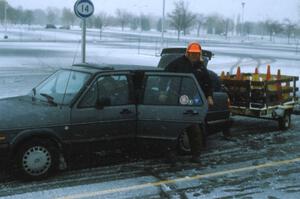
[
  {"x": 278, "y": 74},
  {"x": 255, "y": 75},
  {"x": 268, "y": 76},
  {"x": 223, "y": 75},
  {"x": 238, "y": 73}
]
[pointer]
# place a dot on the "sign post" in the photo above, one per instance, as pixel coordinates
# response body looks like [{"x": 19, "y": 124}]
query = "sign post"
[
  {"x": 83, "y": 9},
  {"x": 83, "y": 39}
]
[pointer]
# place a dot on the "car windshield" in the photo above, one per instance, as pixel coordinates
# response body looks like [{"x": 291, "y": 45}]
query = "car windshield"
[{"x": 61, "y": 87}]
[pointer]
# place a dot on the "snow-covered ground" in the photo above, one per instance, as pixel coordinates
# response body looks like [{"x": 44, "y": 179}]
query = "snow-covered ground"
[{"x": 259, "y": 161}]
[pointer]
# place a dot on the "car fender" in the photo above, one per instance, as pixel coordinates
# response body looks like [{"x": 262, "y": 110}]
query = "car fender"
[{"x": 43, "y": 133}]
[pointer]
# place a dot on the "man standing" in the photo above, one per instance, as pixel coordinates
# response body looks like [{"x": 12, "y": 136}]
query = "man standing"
[{"x": 192, "y": 62}]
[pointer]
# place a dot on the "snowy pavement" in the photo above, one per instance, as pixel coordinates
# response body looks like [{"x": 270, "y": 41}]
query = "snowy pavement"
[{"x": 259, "y": 162}]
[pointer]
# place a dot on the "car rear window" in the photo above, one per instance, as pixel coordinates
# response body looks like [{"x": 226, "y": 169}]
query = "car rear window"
[{"x": 172, "y": 91}]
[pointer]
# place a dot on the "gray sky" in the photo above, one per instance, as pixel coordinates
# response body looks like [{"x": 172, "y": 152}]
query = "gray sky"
[{"x": 255, "y": 10}]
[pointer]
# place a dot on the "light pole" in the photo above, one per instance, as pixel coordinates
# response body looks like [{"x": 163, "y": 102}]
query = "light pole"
[
  {"x": 163, "y": 24},
  {"x": 243, "y": 20}
]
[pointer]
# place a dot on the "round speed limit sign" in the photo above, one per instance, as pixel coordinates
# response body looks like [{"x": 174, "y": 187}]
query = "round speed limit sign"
[{"x": 84, "y": 8}]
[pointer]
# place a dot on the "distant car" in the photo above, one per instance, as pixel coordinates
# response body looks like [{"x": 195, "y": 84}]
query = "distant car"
[
  {"x": 50, "y": 26},
  {"x": 65, "y": 27},
  {"x": 218, "y": 116},
  {"x": 91, "y": 108}
]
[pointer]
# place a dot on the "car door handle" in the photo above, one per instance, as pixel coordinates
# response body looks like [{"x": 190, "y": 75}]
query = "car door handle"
[
  {"x": 125, "y": 111},
  {"x": 191, "y": 112}
]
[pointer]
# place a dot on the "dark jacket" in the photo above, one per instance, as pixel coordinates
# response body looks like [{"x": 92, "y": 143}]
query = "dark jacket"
[{"x": 184, "y": 65}]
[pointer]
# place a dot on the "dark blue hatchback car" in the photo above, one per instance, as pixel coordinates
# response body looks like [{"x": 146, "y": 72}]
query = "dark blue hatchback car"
[{"x": 90, "y": 107}]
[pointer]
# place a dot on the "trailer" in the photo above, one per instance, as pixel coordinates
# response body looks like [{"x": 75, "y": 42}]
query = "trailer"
[{"x": 262, "y": 96}]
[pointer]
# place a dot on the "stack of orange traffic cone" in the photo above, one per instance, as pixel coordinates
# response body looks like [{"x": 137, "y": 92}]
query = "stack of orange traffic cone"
[
  {"x": 223, "y": 75},
  {"x": 238, "y": 74},
  {"x": 255, "y": 75},
  {"x": 268, "y": 76}
]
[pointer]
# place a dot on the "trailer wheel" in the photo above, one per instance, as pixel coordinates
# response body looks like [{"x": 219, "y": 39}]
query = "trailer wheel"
[{"x": 285, "y": 122}]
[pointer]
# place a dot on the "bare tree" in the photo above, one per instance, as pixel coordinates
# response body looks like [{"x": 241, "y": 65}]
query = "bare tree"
[
  {"x": 289, "y": 28},
  {"x": 51, "y": 15},
  {"x": 298, "y": 12},
  {"x": 273, "y": 27},
  {"x": 40, "y": 17},
  {"x": 181, "y": 18},
  {"x": 2, "y": 6},
  {"x": 68, "y": 17},
  {"x": 215, "y": 24},
  {"x": 134, "y": 22},
  {"x": 28, "y": 17},
  {"x": 145, "y": 23},
  {"x": 229, "y": 26},
  {"x": 101, "y": 20},
  {"x": 200, "y": 22},
  {"x": 14, "y": 15},
  {"x": 248, "y": 27},
  {"x": 123, "y": 17}
]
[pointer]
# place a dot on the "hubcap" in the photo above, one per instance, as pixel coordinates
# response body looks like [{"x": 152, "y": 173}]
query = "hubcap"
[
  {"x": 287, "y": 121},
  {"x": 36, "y": 160}
]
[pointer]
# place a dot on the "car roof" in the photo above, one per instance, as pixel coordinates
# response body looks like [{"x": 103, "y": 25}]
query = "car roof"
[{"x": 97, "y": 68}]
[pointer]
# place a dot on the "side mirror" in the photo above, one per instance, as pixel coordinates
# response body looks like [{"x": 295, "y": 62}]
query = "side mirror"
[{"x": 102, "y": 102}]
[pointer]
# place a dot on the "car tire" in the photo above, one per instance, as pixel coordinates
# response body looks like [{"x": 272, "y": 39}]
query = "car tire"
[
  {"x": 37, "y": 159},
  {"x": 183, "y": 144},
  {"x": 284, "y": 123},
  {"x": 184, "y": 147}
]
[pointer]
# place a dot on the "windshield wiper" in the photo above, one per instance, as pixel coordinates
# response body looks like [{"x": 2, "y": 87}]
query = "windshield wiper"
[{"x": 49, "y": 98}]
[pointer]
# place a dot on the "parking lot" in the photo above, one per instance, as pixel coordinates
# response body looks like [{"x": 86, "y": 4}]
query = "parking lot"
[{"x": 259, "y": 161}]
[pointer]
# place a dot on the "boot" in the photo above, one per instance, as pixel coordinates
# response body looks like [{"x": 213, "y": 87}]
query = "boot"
[{"x": 196, "y": 159}]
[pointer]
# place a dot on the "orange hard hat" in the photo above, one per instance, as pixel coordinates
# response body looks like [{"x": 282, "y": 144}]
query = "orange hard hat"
[{"x": 194, "y": 47}]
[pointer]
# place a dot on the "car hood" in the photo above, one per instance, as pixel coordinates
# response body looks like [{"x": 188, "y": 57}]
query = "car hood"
[{"x": 22, "y": 112}]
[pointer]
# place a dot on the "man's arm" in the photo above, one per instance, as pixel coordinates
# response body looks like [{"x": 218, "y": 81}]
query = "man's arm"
[
  {"x": 171, "y": 67},
  {"x": 208, "y": 86}
]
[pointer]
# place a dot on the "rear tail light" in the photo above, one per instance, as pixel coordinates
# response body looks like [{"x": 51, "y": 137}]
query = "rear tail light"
[{"x": 2, "y": 137}]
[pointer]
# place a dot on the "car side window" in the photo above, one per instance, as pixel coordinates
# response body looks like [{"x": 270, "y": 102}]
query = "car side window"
[
  {"x": 90, "y": 97},
  {"x": 113, "y": 88},
  {"x": 161, "y": 90},
  {"x": 189, "y": 93}
]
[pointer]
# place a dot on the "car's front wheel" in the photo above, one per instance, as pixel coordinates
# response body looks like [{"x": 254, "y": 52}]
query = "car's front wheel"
[{"x": 37, "y": 158}]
